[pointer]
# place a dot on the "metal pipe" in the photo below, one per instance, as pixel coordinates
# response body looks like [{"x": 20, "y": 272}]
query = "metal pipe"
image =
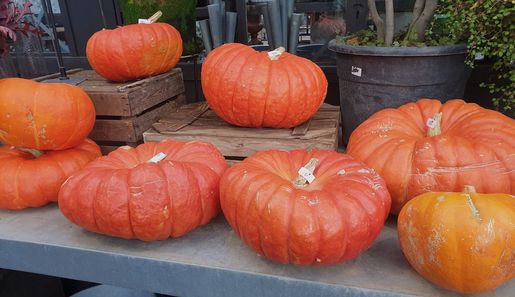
[
  {"x": 230, "y": 26},
  {"x": 293, "y": 41},
  {"x": 206, "y": 35},
  {"x": 268, "y": 26},
  {"x": 223, "y": 22},
  {"x": 290, "y": 6},
  {"x": 215, "y": 23},
  {"x": 284, "y": 20},
  {"x": 275, "y": 21},
  {"x": 47, "y": 7}
]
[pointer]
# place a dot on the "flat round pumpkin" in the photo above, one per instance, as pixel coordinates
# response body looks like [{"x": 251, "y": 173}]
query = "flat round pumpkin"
[
  {"x": 259, "y": 89},
  {"x": 30, "y": 178},
  {"x": 152, "y": 192},
  {"x": 428, "y": 146},
  {"x": 463, "y": 241},
  {"x": 134, "y": 51},
  {"x": 44, "y": 116},
  {"x": 282, "y": 217}
]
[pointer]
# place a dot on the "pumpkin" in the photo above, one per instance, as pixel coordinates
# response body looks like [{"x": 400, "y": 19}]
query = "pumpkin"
[
  {"x": 134, "y": 51},
  {"x": 44, "y": 116},
  {"x": 282, "y": 217},
  {"x": 429, "y": 146},
  {"x": 463, "y": 242},
  {"x": 151, "y": 192},
  {"x": 258, "y": 89},
  {"x": 31, "y": 178}
]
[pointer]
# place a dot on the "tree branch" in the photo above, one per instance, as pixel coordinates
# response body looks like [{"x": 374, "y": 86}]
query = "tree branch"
[
  {"x": 425, "y": 18},
  {"x": 389, "y": 22},
  {"x": 378, "y": 21}
]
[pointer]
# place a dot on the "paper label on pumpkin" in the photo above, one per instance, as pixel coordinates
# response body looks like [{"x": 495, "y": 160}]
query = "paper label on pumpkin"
[
  {"x": 356, "y": 71},
  {"x": 431, "y": 123},
  {"x": 157, "y": 158},
  {"x": 144, "y": 21},
  {"x": 274, "y": 54},
  {"x": 308, "y": 175}
]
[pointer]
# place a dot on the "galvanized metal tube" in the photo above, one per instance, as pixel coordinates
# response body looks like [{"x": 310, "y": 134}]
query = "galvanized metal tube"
[
  {"x": 290, "y": 6},
  {"x": 293, "y": 41},
  {"x": 206, "y": 35},
  {"x": 268, "y": 26},
  {"x": 222, "y": 23},
  {"x": 216, "y": 24},
  {"x": 275, "y": 21},
  {"x": 284, "y": 20},
  {"x": 230, "y": 26}
]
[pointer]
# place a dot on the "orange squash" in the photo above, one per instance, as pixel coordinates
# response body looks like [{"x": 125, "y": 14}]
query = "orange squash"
[
  {"x": 252, "y": 89},
  {"x": 429, "y": 146},
  {"x": 30, "y": 178},
  {"x": 134, "y": 51},
  {"x": 44, "y": 116},
  {"x": 463, "y": 242}
]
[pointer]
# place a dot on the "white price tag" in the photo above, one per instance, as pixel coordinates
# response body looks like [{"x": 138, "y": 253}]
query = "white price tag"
[
  {"x": 144, "y": 21},
  {"x": 431, "y": 123},
  {"x": 274, "y": 54},
  {"x": 308, "y": 175},
  {"x": 157, "y": 158},
  {"x": 356, "y": 71}
]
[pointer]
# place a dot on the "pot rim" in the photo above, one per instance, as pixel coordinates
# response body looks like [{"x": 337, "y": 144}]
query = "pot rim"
[{"x": 442, "y": 50}]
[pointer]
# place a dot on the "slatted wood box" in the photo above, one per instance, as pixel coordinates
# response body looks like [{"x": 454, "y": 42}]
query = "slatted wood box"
[
  {"x": 198, "y": 122},
  {"x": 126, "y": 110}
]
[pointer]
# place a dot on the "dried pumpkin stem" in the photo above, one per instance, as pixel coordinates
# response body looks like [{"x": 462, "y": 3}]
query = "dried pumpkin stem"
[
  {"x": 310, "y": 166},
  {"x": 276, "y": 53},
  {"x": 155, "y": 17},
  {"x": 469, "y": 189},
  {"x": 33, "y": 152},
  {"x": 436, "y": 129}
]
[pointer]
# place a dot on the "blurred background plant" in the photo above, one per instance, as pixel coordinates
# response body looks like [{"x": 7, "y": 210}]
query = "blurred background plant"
[{"x": 12, "y": 20}]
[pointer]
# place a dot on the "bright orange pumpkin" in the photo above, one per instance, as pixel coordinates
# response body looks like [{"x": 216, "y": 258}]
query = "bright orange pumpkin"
[
  {"x": 134, "y": 51},
  {"x": 44, "y": 116},
  {"x": 463, "y": 242},
  {"x": 30, "y": 178},
  {"x": 251, "y": 89},
  {"x": 467, "y": 144},
  {"x": 280, "y": 216},
  {"x": 125, "y": 194}
]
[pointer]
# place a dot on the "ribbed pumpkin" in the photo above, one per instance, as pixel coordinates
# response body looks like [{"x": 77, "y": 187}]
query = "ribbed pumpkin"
[
  {"x": 135, "y": 193},
  {"x": 134, "y": 51},
  {"x": 466, "y": 144},
  {"x": 463, "y": 242},
  {"x": 254, "y": 89},
  {"x": 44, "y": 116},
  {"x": 280, "y": 216},
  {"x": 30, "y": 178}
]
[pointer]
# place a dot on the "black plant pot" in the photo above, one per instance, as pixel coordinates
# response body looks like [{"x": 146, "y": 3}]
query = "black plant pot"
[{"x": 374, "y": 78}]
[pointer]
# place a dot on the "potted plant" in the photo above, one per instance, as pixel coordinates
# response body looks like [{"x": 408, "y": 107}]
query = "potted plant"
[{"x": 382, "y": 69}]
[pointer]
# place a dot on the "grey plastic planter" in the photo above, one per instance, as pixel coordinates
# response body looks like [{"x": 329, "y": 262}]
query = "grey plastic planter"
[{"x": 374, "y": 78}]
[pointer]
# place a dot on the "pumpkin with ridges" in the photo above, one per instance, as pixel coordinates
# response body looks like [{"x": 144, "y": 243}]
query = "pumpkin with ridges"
[
  {"x": 134, "y": 51},
  {"x": 465, "y": 144},
  {"x": 152, "y": 192},
  {"x": 29, "y": 179},
  {"x": 44, "y": 116},
  {"x": 254, "y": 89},
  {"x": 464, "y": 242},
  {"x": 332, "y": 219}
]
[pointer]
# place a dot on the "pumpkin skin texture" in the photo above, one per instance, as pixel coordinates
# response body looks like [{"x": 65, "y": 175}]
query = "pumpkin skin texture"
[
  {"x": 473, "y": 146},
  {"x": 44, "y": 116},
  {"x": 29, "y": 181},
  {"x": 124, "y": 195},
  {"x": 463, "y": 242},
  {"x": 331, "y": 220},
  {"x": 246, "y": 88},
  {"x": 134, "y": 51}
]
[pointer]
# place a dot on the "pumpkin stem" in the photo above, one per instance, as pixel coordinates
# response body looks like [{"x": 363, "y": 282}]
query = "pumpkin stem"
[
  {"x": 469, "y": 189},
  {"x": 155, "y": 17},
  {"x": 306, "y": 169},
  {"x": 276, "y": 53},
  {"x": 34, "y": 152},
  {"x": 157, "y": 158},
  {"x": 435, "y": 125}
]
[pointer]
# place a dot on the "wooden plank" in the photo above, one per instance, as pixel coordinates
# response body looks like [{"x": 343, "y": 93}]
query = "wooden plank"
[
  {"x": 302, "y": 129},
  {"x": 56, "y": 75},
  {"x": 176, "y": 125}
]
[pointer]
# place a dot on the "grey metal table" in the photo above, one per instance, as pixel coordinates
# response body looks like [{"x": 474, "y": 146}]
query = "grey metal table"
[{"x": 209, "y": 262}]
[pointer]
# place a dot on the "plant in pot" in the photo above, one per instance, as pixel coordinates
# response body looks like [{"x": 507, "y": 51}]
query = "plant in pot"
[{"x": 384, "y": 69}]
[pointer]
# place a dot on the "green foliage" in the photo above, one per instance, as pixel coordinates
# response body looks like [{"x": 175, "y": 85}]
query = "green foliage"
[
  {"x": 179, "y": 13},
  {"x": 488, "y": 28}
]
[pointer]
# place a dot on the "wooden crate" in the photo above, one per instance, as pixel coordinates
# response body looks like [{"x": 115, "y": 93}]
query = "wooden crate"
[
  {"x": 197, "y": 122},
  {"x": 125, "y": 110}
]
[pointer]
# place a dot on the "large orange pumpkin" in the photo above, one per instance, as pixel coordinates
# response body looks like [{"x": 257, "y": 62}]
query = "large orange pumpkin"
[
  {"x": 30, "y": 178},
  {"x": 134, "y": 51},
  {"x": 464, "y": 242},
  {"x": 279, "y": 215},
  {"x": 254, "y": 89},
  {"x": 467, "y": 145},
  {"x": 152, "y": 192}
]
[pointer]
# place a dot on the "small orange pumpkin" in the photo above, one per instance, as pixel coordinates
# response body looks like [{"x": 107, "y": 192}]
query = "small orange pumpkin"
[
  {"x": 44, "y": 116},
  {"x": 463, "y": 242},
  {"x": 134, "y": 51}
]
